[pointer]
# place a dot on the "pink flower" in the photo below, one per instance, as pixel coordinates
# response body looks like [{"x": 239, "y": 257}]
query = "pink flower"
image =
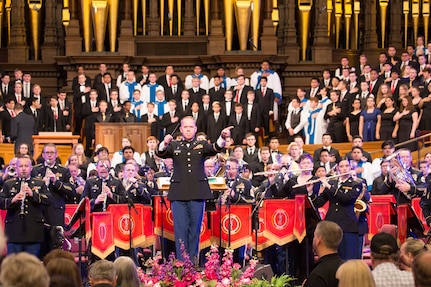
[
  {"x": 225, "y": 282},
  {"x": 236, "y": 266},
  {"x": 179, "y": 264}
]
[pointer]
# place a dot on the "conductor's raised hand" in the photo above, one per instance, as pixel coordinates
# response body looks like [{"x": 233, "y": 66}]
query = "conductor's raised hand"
[
  {"x": 168, "y": 138},
  {"x": 225, "y": 133}
]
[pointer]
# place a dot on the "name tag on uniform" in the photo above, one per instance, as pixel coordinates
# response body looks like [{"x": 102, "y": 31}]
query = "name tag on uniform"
[{"x": 177, "y": 151}]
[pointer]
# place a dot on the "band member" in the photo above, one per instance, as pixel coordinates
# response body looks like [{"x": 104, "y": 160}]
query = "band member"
[
  {"x": 189, "y": 186},
  {"x": 133, "y": 185},
  {"x": 342, "y": 195},
  {"x": 24, "y": 198},
  {"x": 104, "y": 189},
  {"x": 77, "y": 183}
]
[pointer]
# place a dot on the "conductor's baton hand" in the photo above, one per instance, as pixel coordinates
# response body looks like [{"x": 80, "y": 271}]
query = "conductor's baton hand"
[
  {"x": 167, "y": 140},
  {"x": 225, "y": 133}
]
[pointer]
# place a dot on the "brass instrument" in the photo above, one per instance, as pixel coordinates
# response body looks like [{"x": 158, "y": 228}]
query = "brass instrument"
[
  {"x": 397, "y": 171},
  {"x": 106, "y": 196},
  {"x": 318, "y": 180},
  {"x": 222, "y": 160},
  {"x": 22, "y": 207},
  {"x": 11, "y": 171},
  {"x": 360, "y": 205}
]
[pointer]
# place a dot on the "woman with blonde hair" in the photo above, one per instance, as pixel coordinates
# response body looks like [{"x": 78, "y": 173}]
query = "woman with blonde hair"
[
  {"x": 409, "y": 250},
  {"x": 127, "y": 276},
  {"x": 354, "y": 273}
]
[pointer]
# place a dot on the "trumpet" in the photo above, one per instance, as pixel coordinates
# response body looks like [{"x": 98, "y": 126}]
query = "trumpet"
[
  {"x": 318, "y": 180},
  {"x": 11, "y": 171},
  {"x": 22, "y": 207}
]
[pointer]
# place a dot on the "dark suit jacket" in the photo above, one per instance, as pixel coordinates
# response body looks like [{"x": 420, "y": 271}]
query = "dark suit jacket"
[
  {"x": 243, "y": 96},
  {"x": 167, "y": 124},
  {"x": 214, "y": 128},
  {"x": 9, "y": 93},
  {"x": 101, "y": 91},
  {"x": 89, "y": 116},
  {"x": 23, "y": 128},
  {"x": 169, "y": 94},
  {"x": 196, "y": 97},
  {"x": 77, "y": 101},
  {"x": 30, "y": 228},
  {"x": 67, "y": 107},
  {"x": 155, "y": 126},
  {"x": 38, "y": 119},
  {"x": 6, "y": 119},
  {"x": 180, "y": 109},
  {"x": 75, "y": 82},
  {"x": 51, "y": 122},
  {"x": 239, "y": 130},
  {"x": 216, "y": 96},
  {"x": 333, "y": 151},
  {"x": 252, "y": 160},
  {"x": 201, "y": 124},
  {"x": 223, "y": 110},
  {"x": 255, "y": 118}
]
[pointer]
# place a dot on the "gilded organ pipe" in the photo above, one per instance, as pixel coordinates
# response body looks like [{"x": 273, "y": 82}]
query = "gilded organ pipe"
[
  {"x": 415, "y": 18},
  {"x": 35, "y": 6},
  {"x": 100, "y": 17},
  {"x": 347, "y": 20},
  {"x": 113, "y": 19},
  {"x": 257, "y": 4},
  {"x": 426, "y": 17},
  {"x": 383, "y": 11},
  {"x": 243, "y": 13},
  {"x": 228, "y": 14},
  {"x": 304, "y": 26},
  {"x": 338, "y": 14}
]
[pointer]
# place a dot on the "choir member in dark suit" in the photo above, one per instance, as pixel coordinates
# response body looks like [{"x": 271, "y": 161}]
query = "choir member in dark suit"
[
  {"x": 54, "y": 120},
  {"x": 265, "y": 100},
  {"x": 22, "y": 128},
  {"x": 240, "y": 124},
  {"x": 184, "y": 105},
  {"x": 114, "y": 105},
  {"x": 6, "y": 117},
  {"x": 65, "y": 108},
  {"x": 196, "y": 92},
  {"x": 76, "y": 82},
  {"x": 251, "y": 152},
  {"x": 216, "y": 122},
  {"x": 81, "y": 91},
  {"x": 205, "y": 109},
  {"x": 151, "y": 118},
  {"x": 239, "y": 92},
  {"x": 37, "y": 112},
  {"x": 170, "y": 119},
  {"x": 104, "y": 88},
  {"x": 98, "y": 79},
  {"x": 143, "y": 78},
  {"x": 175, "y": 90},
  {"x": 227, "y": 106},
  {"x": 199, "y": 117},
  {"x": 217, "y": 92},
  {"x": 89, "y": 111},
  {"x": 103, "y": 116},
  {"x": 126, "y": 116},
  {"x": 253, "y": 113},
  {"x": 166, "y": 79},
  {"x": 6, "y": 87}
]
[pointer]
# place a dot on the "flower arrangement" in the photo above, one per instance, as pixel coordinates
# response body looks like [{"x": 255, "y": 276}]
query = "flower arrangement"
[{"x": 224, "y": 273}]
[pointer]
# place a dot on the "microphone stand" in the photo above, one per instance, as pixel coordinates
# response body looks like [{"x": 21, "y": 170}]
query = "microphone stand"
[{"x": 131, "y": 205}]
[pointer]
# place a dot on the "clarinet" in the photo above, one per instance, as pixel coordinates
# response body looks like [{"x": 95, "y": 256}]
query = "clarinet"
[
  {"x": 106, "y": 196},
  {"x": 22, "y": 208}
]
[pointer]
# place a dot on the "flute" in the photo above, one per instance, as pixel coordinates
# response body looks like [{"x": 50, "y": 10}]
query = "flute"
[
  {"x": 277, "y": 171},
  {"x": 318, "y": 180}
]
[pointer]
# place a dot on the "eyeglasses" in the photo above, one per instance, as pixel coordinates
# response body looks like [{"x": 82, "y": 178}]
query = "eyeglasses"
[{"x": 49, "y": 152}]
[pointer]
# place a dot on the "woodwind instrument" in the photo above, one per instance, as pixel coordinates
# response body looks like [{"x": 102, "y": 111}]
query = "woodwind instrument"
[
  {"x": 106, "y": 195},
  {"x": 22, "y": 207},
  {"x": 318, "y": 180},
  {"x": 277, "y": 172}
]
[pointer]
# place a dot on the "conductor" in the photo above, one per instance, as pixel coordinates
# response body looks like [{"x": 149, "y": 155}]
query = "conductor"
[{"x": 189, "y": 186}]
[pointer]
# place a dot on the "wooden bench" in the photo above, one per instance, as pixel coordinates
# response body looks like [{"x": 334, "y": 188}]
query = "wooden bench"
[{"x": 343, "y": 148}]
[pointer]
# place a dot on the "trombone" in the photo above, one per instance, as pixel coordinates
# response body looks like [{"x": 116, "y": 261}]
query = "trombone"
[{"x": 318, "y": 180}]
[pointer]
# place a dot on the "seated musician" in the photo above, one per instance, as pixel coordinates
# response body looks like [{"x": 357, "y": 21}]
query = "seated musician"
[
  {"x": 133, "y": 184},
  {"x": 401, "y": 179}
]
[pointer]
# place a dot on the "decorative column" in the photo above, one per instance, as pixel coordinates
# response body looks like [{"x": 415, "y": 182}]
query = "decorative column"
[
  {"x": 153, "y": 19},
  {"x": 73, "y": 39},
  {"x": 189, "y": 23},
  {"x": 370, "y": 41},
  {"x": 216, "y": 39},
  {"x": 59, "y": 29},
  {"x": 18, "y": 49},
  {"x": 126, "y": 41},
  {"x": 268, "y": 40},
  {"x": 281, "y": 26},
  {"x": 322, "y": 50},
  {"x": 291, "y": 47},
  {"x": 395, "y": 37},
  {"x": 49, "y": 47}
]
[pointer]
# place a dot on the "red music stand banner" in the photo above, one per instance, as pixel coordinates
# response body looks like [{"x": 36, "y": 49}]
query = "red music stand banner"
[
  {"x": 402, "y": 222},
  {"x": 262, "y": 241},
  {"x": 147, "y": 219},
  {"x": 240, "y": 226},
  {"x": 205, "y": 236},
  {"x": 323, "y": 210},
  {"x": 279, "y": 218},
  {"x": 163, "y": 216},
  {"x": 418, "y": 209},
  {"x": 299, "y": 227},
  {"x": 380, "y": 214},
  {"x": 123, "y": 224},
  {"x": 103, "y": 234},
  {"x": 68, "y": 213}
]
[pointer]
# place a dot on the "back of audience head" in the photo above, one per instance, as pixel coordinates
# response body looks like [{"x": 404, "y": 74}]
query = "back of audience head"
[
  {"x": 384, "y": 248},
  {"x": 23, "y": 270},
  {"x": 409, "y": 250},
  {"x": 57, "y": 253},
  {"x": 102, "y": 271},
  {"x": 328, "y": 234},
  {"x": 127, "y": 275},
  {"x": 422, "y": 269},
  {"x": 64, "y": 267},
  {"x": 354, "y": 273}
]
